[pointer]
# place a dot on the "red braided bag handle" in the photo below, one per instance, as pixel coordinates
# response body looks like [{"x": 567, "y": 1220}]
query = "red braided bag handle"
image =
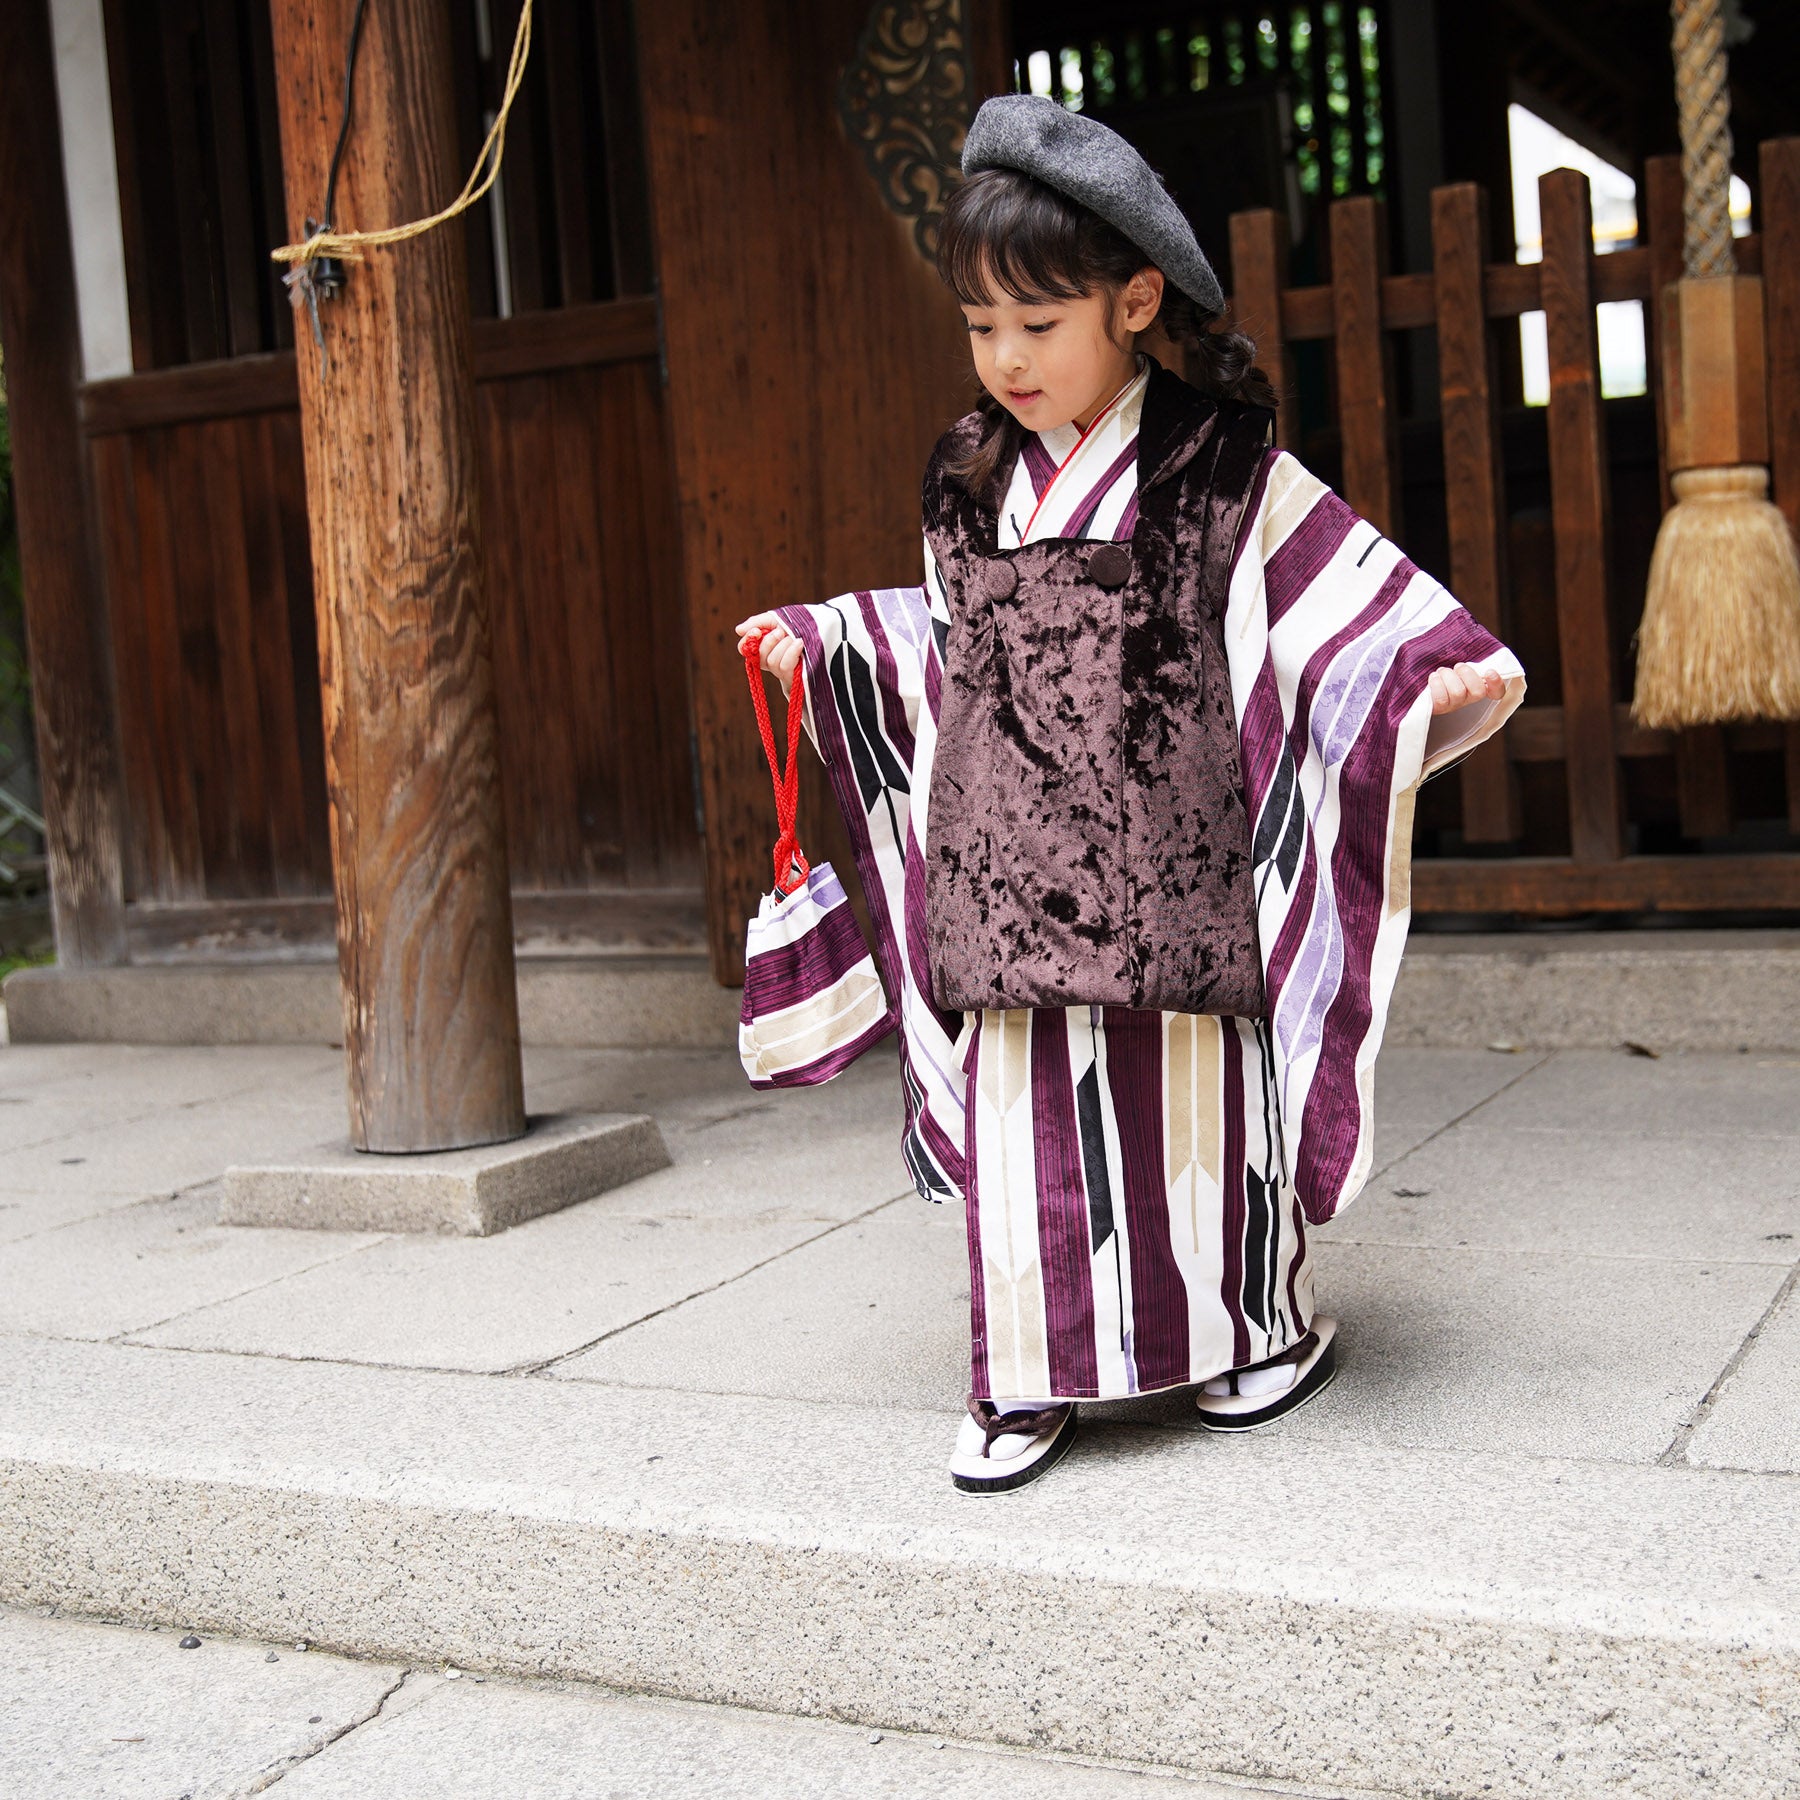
[{"x": 791, "y": 866}]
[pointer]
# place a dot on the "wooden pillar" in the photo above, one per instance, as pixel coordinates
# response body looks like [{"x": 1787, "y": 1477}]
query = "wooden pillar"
[
  {"x": 418, "y": 835},
  {"x": 1365, "y": 364},
  {"x": 65, "y": 622},
  {"x": 1474, "y": 473},
  {"x": 1259, "y": 272},
  {"x": 1579, "y": 509}
]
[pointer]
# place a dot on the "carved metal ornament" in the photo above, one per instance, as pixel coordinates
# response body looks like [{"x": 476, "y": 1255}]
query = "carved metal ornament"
[{"x": 904, "y": 99}]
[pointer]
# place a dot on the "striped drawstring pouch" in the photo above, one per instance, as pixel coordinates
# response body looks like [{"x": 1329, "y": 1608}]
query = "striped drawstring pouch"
[{"x": 812, "y": 999}]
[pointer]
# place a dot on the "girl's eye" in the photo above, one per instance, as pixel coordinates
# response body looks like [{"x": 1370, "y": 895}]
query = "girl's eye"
[
  {"x": 979, "y": 330},
  {"x": 1039, "y": 330}
]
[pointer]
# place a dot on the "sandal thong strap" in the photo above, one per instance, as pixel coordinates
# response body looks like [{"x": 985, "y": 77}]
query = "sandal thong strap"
[
  {"x": 1295, "y": 1352},
  {"x": 1020, "y": 1424}
]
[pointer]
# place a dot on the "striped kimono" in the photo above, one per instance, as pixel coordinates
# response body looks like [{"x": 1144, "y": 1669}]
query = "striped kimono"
[{"x": 1137, "y": 1185}]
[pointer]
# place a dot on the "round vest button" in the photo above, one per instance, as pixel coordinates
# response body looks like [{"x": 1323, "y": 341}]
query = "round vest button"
[
  {"x": 1110, "y": 566},
  {"x": 1003, "y": 579}
]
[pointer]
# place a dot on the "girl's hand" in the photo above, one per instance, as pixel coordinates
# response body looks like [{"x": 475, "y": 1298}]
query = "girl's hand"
[
  {"x": 780, "y": 650},
  {"x": 1462, "y": 686}
]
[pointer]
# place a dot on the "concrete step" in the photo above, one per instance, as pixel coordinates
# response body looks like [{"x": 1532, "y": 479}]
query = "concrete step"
[
  {"x": 108, "y": 1710},
  {"x": 603, "y": 1002},
  {"x": 1422, "y": 1623},
  {"x": 1669, "y": 990}
]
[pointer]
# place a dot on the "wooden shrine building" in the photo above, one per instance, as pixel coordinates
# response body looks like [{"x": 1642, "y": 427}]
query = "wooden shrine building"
[{"x": 709, "y": 359}]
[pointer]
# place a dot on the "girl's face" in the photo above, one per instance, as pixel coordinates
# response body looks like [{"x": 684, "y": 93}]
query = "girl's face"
[{"x": 1058, "y": 362}]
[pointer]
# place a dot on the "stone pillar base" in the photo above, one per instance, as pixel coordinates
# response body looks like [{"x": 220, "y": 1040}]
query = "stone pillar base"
[{"x": 561, "y": 1159}]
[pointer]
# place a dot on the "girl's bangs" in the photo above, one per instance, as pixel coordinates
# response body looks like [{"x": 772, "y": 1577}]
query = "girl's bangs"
[{"x": 1005, "y": 231}]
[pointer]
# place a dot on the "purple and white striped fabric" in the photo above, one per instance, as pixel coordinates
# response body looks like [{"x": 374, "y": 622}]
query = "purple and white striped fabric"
[
  {"x": 812, "y": 999},
  {"x": 1331, "y": 636}
]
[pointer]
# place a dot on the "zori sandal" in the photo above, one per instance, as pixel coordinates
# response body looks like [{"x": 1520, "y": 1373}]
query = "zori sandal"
[
  {"x": 998, "y": 1451},
  {"x": 1243, "y": 1399}
]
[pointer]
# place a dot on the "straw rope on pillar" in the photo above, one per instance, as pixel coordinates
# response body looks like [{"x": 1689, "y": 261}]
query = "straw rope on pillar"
[{"x": 1721, "y": 632}]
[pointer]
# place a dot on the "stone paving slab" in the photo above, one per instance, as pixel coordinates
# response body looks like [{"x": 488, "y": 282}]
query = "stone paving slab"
[
  {"x": 1584, "y": 1624},
  {"x": 541, "y": 1290},
  {"x": 561, "y": 1741},
  {"x": 1598, "y": 1192},
  {"x": 1532, "y": 1355},
  {"x": 137, "y": 1266},
  {"x": 1755, "y": 1423},
  {"x": 168, "y": 1148},
  {"x": 876, "y": 1314},
  {"x": 1677, "y": 1095},
  {"x": 1419, "y": 1093},
  {"x": 99, "y": 1712},
  {"x": 105, "y": 1712}
]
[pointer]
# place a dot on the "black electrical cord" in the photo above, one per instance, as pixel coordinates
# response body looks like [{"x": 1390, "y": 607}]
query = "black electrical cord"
[{"x": 343, "y": 136}]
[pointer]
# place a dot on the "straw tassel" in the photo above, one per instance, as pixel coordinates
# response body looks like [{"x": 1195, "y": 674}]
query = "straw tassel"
[{"x": 1721, "y": 633}]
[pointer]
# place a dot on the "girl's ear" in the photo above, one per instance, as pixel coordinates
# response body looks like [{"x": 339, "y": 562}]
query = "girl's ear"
[{"x": 1143, "y": 298}]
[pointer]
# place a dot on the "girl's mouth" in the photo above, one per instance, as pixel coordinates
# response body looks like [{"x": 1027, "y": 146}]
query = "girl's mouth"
[{"x": 1023, "y": 397}]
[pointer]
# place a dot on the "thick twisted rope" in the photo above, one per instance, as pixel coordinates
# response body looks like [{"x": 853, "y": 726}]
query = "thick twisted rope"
[
  {"x": 1704, "y": 102},
  {"x": 349, "y": 245}
]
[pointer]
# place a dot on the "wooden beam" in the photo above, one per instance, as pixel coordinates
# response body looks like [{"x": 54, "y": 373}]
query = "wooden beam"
[
  {"x": 1536, "y": 884},
  {"x": 1579, "y": 512},
  {"x": 418, "y": 831},
  {"x": 1474, "y": 474},
  {"x": 570, "y": 337},
  {"x": 1535, "y": 734},
  {"x": 65, "y": 624}
]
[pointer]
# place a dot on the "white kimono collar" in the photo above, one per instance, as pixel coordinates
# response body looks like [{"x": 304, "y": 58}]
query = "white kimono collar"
[{"x": 1072, "y": 483}]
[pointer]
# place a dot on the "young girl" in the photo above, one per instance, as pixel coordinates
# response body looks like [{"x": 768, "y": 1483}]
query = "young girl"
[{"x": 1130, "y": 787}]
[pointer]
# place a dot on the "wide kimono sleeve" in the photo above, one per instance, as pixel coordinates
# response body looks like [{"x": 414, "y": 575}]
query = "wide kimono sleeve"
[
  {"x": 874, "y": 676},
  {"x": 1331, "y": 637}
]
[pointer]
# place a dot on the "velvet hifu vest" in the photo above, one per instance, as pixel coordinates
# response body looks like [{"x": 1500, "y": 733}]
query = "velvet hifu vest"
[{"x": 1087, "y": 841}]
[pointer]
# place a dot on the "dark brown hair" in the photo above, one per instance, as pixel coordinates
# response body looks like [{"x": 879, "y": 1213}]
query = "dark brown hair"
[{"x": 1007, "y": 229}]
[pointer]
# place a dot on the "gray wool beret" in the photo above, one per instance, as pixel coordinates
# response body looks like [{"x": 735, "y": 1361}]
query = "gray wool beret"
[{"x": 1092, "y": 164}]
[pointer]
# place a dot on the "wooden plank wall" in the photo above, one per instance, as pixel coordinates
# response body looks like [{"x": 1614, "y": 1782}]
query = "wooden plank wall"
[
  {"x": 203, "y": 536},
  {"x": 813, "y": 360}
]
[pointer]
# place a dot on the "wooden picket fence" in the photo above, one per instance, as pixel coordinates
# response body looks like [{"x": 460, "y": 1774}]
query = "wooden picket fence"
[{"x": 1590, "y": 733}]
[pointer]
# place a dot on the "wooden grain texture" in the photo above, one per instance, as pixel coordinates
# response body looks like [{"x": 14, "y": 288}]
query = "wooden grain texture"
[
  {"x": 65, "y": 630},
  {"x": 1780, "y": 171},
  {"x": 1702, "y": 777},
  {"x": 1474, "y": 475},
  {"x": 813, "y": 359},
  {"x": 1579, "y": 510},
  {"x": 1535, "y": 734},
  {"x": 1529, "y": 884},
  {"x": 573, "y": 337},
  {"x": 418, "y": 829},
  {"x": 1365, "y": 387},
  {"x": 590, "y": 654},
  {"x": 1259, "y": 269}
]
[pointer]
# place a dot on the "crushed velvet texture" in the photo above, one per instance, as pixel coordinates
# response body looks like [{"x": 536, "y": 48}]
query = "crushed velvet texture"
[{"x": 1087, "y": 837}]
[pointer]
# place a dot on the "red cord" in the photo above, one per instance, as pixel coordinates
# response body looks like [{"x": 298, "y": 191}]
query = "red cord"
[{"x": 791, "y": 866}]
